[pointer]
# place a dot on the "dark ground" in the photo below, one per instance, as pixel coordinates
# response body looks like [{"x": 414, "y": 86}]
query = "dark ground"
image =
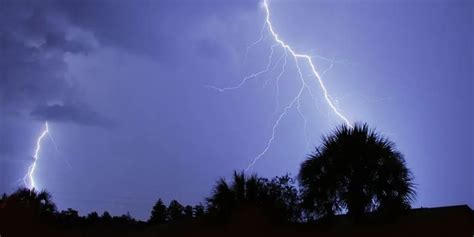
[{"x": 440, "y": 221}]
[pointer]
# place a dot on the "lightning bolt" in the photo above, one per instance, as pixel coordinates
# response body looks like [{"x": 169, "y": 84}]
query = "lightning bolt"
[
  {"x": 296, "y": 100},
  {"x": 305, "y": 57},
  {"x": 29, "y": 180}
]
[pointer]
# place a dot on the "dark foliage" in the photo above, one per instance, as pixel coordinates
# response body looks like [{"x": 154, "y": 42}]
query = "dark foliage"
[
  {"x": 30, "y": 204},
  {"x": 175, "y": 211},
  {"x": 354, "y": 170},
  {"x": 199, "y": 211},
  {"x": 276, "y": 199},
  {"x": 158, "y": 213},
  {"x": 188, "y": 212},
  {"x": 33, "y": 209},
  {"x": 357, "y": 170}
]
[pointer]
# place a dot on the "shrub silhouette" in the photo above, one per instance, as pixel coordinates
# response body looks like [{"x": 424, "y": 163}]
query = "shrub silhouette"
[{"x": 357, "y": 170}]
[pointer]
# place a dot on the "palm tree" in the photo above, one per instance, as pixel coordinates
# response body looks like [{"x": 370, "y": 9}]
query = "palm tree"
[
  {"x": 39, "y": 203},
  {"x": 28, "y": 207},
  {"x": 225, "y": 198},
  {"x": 276, "y": 198},
  {"x": 357, "y": 170}
]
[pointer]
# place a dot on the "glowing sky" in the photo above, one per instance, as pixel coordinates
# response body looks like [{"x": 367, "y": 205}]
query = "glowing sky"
[{"x": 123, "y": 87}]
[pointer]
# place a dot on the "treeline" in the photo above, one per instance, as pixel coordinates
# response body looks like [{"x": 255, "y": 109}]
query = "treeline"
[
  {"x": 32, "y": 208},
  {"x": 275, "y": 200},
  {"x": 355, "y": 171}
]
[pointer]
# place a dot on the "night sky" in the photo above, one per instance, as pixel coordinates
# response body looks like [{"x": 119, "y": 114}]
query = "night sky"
[{"x": 124, "y": 86}]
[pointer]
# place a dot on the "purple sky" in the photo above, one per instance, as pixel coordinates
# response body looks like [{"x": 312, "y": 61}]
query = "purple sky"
[{"x": 123, "y": 87}]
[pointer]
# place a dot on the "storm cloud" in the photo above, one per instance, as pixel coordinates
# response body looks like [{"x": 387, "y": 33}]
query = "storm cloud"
[
  {"x": 140, "y": 67},
  {"x": 35, "y": 39},
  {"x": 37, "y": 36}
]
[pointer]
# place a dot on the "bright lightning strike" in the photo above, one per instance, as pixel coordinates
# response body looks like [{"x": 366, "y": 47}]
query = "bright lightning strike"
[
  {"x": 305, "y": 57},
  {"x": 298, "y": 57},
  {"x": 29, "y": 180}
]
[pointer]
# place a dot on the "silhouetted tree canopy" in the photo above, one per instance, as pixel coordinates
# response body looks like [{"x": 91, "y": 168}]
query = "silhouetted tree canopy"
[
  {"x": 175, "y": 211},
  {"x": 30, "y": 202},
  {"x": 199, "y": 211},
  {"x": 106, "y": 218},
  {"x": 283, "y": 198},
  {"x": 69, "y": 217},
  {"x": 30, "y": 208},
  {"x": 158, "y": 213},
  {"x": 354, "y": 170},
  {"x": 276, "y": 198},
  {"x": 188, "y": 212},
  {"x": 357, "y": 170},
  {"x": 93, "y": 218}
]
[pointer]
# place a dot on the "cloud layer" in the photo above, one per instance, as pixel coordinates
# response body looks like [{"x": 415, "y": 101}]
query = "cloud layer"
[{"x": 35, "y": 39}]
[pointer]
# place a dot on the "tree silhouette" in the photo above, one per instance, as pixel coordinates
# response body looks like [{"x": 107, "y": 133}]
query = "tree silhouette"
[
  {"x": 68, "y": 218},
  {"x": 106, "y": 218},
  {"x": 199, "y": 211},
  {"x": 158, "y": 213},
  {"x": 25, "y": 208},
  {"x": 93, "y": 218},
  {"x": 38, "y": 203},
  {"x": 175, "y": 211},
  {"x": 276, "y": 198},
  {"x": 188, "y": 212},
  {"x": 357, "y": 170},
  {"x": 283, "y": 198},
  {"x": 242, "y": 191}
]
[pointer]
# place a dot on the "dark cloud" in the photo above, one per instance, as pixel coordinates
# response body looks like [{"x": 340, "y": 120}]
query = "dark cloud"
[
  {"x": 72, "y": 113},
  {"x": 145, "y": 27},
  {"x": 35, "y": 38},
  {"x": 140, "y": 27}
]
